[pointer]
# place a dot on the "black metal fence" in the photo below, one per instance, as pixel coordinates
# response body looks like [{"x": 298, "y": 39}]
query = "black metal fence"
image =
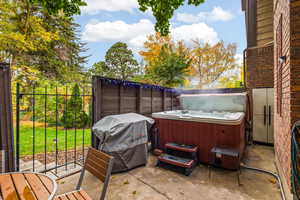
[{"x": 52, "y": 127}]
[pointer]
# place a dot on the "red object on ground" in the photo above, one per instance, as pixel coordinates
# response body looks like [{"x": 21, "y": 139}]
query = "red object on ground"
[{"x": 203, "y": 135}]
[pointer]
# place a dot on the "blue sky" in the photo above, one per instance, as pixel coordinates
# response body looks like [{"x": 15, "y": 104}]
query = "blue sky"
[{"x": 104, "y": 22}]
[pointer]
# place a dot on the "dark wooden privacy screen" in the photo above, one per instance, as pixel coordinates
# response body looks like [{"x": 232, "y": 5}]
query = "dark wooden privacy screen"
[
  {"x": 6, "y": 123},
  {"x": 112, "y": 96}
]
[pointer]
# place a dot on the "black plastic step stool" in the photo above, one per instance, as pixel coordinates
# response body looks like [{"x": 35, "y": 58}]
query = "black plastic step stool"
[
  {"x": 226, "y": 158},
  {"x": 179, "y": 157}
]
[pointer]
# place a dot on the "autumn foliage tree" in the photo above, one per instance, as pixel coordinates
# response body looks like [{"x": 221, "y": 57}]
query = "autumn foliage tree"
[
  {"x": 171, "y": 67},
  {"x": 167, "y": 62},
  {"x": 204, "y": 62},
  {"x": 211, "y": 61},
  {"x": 233, "y": 78},
  {"x": 153, "y": 46}
]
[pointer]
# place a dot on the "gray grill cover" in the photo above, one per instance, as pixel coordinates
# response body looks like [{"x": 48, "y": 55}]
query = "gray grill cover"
[{"x": 125, "y": 137}]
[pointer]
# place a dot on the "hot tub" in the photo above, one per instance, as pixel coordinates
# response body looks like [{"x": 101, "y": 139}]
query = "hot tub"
[
  {"x": 215, "y": 117},
  {"x": 205, "y": 130}
]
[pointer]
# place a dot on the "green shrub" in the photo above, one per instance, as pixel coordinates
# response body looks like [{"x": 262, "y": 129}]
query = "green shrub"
[{"x": 75, "y": 117}]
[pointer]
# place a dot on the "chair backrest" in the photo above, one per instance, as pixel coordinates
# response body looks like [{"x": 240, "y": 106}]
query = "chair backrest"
[{"x": 100, "y": 165}]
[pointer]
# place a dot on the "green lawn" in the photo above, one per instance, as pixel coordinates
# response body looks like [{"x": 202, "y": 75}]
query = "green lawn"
[{"x": 26, "y": 139}]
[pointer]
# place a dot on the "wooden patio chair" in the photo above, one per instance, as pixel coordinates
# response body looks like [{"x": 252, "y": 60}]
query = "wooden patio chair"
[{"x": 100, "y": 165}]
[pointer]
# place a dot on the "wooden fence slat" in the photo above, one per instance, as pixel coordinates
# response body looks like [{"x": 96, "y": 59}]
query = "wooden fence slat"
[
  {"x": 151, "y": 100},
  {"x": 139, "y": 100},
  {"x": 164, "y": 100},
  {"x": 97, "y": 102}
]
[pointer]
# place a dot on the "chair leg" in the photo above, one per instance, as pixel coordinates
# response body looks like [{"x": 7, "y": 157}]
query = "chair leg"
[
  {"x": 238, "y": 177},
  {"x": 108, "y": 174},
  {"x": 209, "y": 172},
  {"x": 80, "y": 179}
]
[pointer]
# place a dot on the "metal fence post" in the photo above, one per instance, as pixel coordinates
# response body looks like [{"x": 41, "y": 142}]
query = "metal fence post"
[{"x": 18, "y": 127}]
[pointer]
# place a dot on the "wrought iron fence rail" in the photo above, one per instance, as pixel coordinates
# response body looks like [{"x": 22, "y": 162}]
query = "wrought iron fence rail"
[{"x": 65, "y": 110}]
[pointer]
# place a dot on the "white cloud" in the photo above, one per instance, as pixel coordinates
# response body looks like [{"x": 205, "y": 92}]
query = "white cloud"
[
  {"x": 217, "y": 14},
  {"x": 187, "y": 18},
  {"x": 199, "y": 31},
  {"x": 117, "y": 31},
  {"x": 96, "y": 6},
  {"x": 136, "y": 34}
]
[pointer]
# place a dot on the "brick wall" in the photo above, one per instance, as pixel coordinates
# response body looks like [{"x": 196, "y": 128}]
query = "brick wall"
[
  {"x": 260, "y": 66},
  {"x": 282, "y": 123},
  {"x": 259, "y": 69}
]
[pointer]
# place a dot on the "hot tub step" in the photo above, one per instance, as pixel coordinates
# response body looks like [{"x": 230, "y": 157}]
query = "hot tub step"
[
  {"x": 176, "y": 163},
  {"x": 175, "y": 160},
  {"x": 181, "y": 147}
]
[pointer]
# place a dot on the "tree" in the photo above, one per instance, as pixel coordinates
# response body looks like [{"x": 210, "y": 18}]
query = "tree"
[
  {"x": 232, "y": 79},
  {"x": 170, "y": 69},
  {"x": 54, "y": 7},
  {"x": 100, "y": 68},
  {"x": 211, "y": 61},
  {"x": 163, "y": 11},
  {"x": 119, "y": 63},
  {"x": 75, "y": 117},
  {"x": 153, "y": 47},
  {"x": 37, "y": 44},
  {"x": 167, "y": 62}
]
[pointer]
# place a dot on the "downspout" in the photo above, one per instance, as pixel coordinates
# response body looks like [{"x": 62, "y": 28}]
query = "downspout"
[{"x": 244, "y": 67}]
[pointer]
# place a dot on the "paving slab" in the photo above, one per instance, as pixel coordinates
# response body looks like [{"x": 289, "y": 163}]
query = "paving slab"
[{"x": 151, "y": 182}]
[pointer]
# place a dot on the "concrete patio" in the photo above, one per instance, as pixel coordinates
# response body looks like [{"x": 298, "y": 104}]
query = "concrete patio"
[{"x": 154, "y": 183}]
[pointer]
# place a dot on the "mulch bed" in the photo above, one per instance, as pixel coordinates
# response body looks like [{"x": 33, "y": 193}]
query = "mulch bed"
[{"x": 61, "y": 156}]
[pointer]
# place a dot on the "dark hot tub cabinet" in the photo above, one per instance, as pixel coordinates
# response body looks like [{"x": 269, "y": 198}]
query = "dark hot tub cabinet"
[{"x": 215, "y": 123}]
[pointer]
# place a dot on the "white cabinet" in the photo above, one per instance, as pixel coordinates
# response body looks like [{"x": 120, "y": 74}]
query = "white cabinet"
[{"x": 263, "y": 115}]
